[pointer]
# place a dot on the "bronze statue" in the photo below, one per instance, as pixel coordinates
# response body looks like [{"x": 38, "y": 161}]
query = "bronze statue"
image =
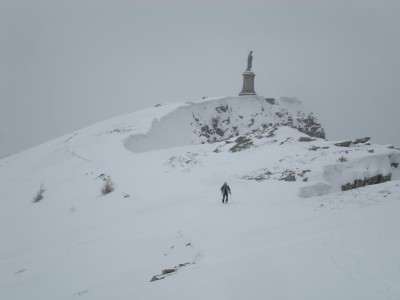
[{"x": 249, "y": 61}]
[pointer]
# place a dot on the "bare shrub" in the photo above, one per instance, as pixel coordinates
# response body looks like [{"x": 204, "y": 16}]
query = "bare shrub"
[
  {"x": 108, "y": 186},
  {"x": 342, "y": 159},
  {"x": 39, "y": 194},
  {"x": 72, "y": 209}
]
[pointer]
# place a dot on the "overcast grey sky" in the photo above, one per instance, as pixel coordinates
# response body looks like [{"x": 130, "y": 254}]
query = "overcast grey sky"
[{"x": 65, "y": 64}]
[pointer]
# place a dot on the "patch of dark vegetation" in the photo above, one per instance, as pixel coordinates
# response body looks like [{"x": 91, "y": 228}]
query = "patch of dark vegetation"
[
  {"x": 39, "y": 195},
  {"x": 108, "y": 185}
]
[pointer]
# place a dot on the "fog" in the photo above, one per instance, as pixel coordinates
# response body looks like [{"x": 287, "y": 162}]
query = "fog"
[{"x": 65, "y": 64}]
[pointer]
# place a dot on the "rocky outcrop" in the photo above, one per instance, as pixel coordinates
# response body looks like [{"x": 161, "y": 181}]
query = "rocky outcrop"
[
  {"x": 355, "y": 142},
  {"x": 168, "y": 272},
  {"x": 242, "y": 143},
  {"x": 362, "y": 140},
  {"x": 366, "y": 181},
  {"x": 343, "y": 144},
  {"x": 221, "y": 119},
  {"x": 229, "y": 119},
  {"x": 306, "y": 139},
  {"x": 288, "y": 176}
]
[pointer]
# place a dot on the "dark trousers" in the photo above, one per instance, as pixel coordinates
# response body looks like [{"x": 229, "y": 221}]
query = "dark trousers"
[{"x": 225, "y": 198}]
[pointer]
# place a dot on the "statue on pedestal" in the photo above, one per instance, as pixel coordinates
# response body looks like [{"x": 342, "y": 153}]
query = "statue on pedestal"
[
  {"x": 249, "y": 61},
  {"x": 248, "y": 78}
]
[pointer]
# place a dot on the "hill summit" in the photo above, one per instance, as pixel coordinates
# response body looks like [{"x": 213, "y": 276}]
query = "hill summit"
[{"x": 130, "y": 208}]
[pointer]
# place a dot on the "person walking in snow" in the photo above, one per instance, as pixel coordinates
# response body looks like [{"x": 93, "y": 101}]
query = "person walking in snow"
[{"x": 224, "y": 190}]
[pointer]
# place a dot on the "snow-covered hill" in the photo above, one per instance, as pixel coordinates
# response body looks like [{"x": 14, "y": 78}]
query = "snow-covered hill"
[{"x": 165, "y": 220}]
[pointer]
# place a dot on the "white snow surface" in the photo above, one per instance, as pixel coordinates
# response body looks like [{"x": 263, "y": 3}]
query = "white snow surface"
[{"x": 304, "y": 239}]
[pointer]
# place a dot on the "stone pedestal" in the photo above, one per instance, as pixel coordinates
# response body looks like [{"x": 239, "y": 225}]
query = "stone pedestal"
[{"x": 248, "y": 84}]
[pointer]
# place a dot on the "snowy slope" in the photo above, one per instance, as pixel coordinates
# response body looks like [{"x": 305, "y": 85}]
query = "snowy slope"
[{"x": 273, "y": 240}]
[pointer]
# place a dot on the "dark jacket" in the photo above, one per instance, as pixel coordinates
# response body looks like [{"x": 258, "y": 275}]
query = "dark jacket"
[{"x": 225, "y": 189}]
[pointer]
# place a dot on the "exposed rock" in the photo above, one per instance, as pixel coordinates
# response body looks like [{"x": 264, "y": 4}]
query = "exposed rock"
[
  {"x": 366, "y": 181},
  {"x": 219, "y": 132},
  {"x": 348, "y": 186},
  {"x": 258, "y": 175},
  {"x": 315, "y": 148},
  {"x": 184, "y": 161},
  {"x": 270, "y": 100},
  {"x": 156, "y": 277},
  {"x": 218, "y": 129},
  {"x": 310, "y": 126},
  {"x": 306, "y": 139},
  {"x": 343, "y": 144},
  {"x": 288, "y": 176},
  {"x": 302, "y": 173},
  {"x": 272, "y": 132},
  {"x": 184, "y": 265},
  {"x": 362, "y": 140},
  {"x": 222, "y": 108},
  {"x": 119, "y": 130},
  {"x": 168, "y": 271},
  {"x": 263, "y": 175},
  {"x": 242, "y": 143},
  {"x": 393, "y": 147},
  {"x": 288, "y": 139}
]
